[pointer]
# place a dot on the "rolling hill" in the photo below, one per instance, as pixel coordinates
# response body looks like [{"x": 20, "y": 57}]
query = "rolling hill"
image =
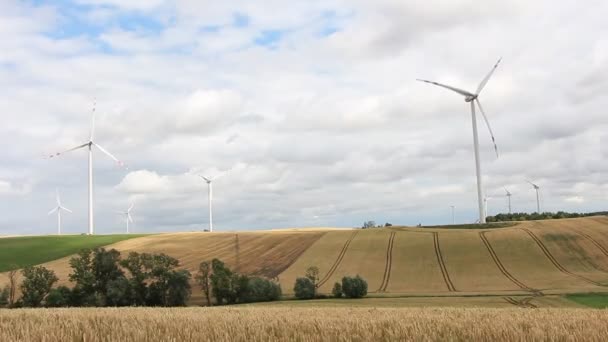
[{"x": 529, "y": 258}]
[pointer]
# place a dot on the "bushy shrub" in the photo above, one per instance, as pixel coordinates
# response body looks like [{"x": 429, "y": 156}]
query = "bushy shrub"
[
  {"x": 304, "y": 288},
  {"x": 262, "y": 290},
  {"x": 354, "y": 287},
  {"x": 337, "y": 290},
  {"x": 37, "y": 282},
  {"x": 4, "y": 294},
  {"x": 59, "y": 297}
]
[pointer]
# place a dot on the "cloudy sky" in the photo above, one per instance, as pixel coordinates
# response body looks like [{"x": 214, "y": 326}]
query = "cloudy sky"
[{"x": 313, "y": 105}]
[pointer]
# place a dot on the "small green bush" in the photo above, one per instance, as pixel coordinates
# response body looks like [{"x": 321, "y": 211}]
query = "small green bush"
[
  {"x": 304, "y": 288},
  {"x": 4, "y": 296},
  {"x": 59, "y": 297},
  {"x": 354, "y": 287}
]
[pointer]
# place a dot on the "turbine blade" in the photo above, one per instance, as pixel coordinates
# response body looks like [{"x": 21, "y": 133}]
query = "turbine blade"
[
  {"x": 120, "y": 163},
  {"x": 459, "y": 91},
  {"x": 221, "y": 174},
  {"x": 508, "y": 193},
  {"x": 129, "y": 218},
  {"x": 131, "y": 207},
  {"x": 93, "y": 120},
  {"x": 534, "y": 185},
  {"x": 69, "y": 150},
  {"x": 206, "y": 179},
  {"x": 66, "y": 209},
  {"x": 487, "y": 78},
  {"x": 57, "y": 197},
  {"x": 485, "y": 118},
  {"x": 54, "y": 210}
]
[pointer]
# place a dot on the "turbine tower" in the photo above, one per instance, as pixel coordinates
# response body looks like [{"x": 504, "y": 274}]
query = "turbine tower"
[
  {"x": 537, "y": 188},
  {"x": 209, "y": 181},
  {"x": 453, "y": 220},
  {"x": 89, "y": 145},
  {"x": 474, "y": 98},
  {"x": 127, "y": 216},
  {"x": 485, "y": 205},
  {"x": 509, "y": 197},
  {"x": 58, "y": 209}
]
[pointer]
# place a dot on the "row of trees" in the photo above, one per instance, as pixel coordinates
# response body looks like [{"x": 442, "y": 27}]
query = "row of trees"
[
  {"x": 372, "y": 224},
  {"x": 102, "y": 278},
  {"x": 306, "y": 287},
  {"x": 540, "y": 216}
]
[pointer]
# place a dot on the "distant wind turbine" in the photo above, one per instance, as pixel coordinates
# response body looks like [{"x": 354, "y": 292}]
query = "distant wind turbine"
[
  {"x": 537, "y": 188},
  {"x": 472, "y": 98},
  {"x": 209, "y": 181},
  {"x": 89, "y": 145},
  {"x": 453, "y": 220},
  {"x": 58, "y": 209},
  {"x": 509, "y": 197},
  {"x": 485, "y": 205},
  {"x": 128, "y": 217}
]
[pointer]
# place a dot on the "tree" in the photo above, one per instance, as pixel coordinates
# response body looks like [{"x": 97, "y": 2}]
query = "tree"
[
  {"x": 387, "y": 224},
  {"x": 221, "y": 282},
  {"x": 59, "y": 297},
  {"x": 312, "y": 273},
  {"x": 203, "y": 279},
  {"x": 36, "y": 285},
  {"x": 337, "y": 290},
  {"x": 139, "y": 266},
  {"x": 369, "y": 224},
  {"x": 262, "y": 290},
  {"x": 354, "y": 287},
  {"x": 163, "y": 280},
  {"x": 304, "y": 288},
  {"x": 178, "y": 288},
  {"x": 118, "y": 292},
  {"x": 12, "y": 285},
  {"x": 93, "y": 271}
]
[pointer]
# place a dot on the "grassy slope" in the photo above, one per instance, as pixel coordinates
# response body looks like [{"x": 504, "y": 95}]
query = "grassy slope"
[
  {"x": 18, "y": 252},
  {"x": 593, "y": 300}
]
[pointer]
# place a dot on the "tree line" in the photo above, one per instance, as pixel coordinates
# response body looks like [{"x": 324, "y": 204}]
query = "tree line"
[
  {"x": 101, "y": 278},
  {"x": 540, "y": 216},
  {"x": 306, "y": 287}
]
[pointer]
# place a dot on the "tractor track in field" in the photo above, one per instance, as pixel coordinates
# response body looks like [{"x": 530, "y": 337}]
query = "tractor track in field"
[
  {"x": 555, "y": 262},
  {"x": 594, "y": 241},
  {"x": 444, "y": 271},
  {"x": 524, "y": 303},
  {"x": 502, "y": 268},
  {"x": 389, "y": 263},
  {"x": 338, "y": 260}
]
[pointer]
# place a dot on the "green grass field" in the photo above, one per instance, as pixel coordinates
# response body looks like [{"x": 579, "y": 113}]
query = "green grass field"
[
  {"x": 19, "y": 252},
  {"x": 593, "y": 300}
]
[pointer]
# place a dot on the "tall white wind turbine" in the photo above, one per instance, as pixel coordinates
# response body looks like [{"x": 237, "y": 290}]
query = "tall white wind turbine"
[
  {"x": 509, "y": 197},
  {"x": 89, "y": 145},
  {"x": 58, "y": 209},
  {"x": 128, "y": 217},
  {"x": 210, "y": 181},
  {"x": 537, "y": 188},
  {"x": 474, "y": 98}
]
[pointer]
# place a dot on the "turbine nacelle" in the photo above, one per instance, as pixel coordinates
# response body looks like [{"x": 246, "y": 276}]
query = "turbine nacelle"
[{"x": 470, "y": 98}]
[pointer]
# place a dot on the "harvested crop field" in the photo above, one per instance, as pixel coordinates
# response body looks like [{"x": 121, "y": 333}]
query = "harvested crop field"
[{"x": 303, "y": 324}]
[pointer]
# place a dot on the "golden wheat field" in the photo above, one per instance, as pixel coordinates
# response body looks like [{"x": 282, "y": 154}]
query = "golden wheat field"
[{"x": 303, "y": 324}]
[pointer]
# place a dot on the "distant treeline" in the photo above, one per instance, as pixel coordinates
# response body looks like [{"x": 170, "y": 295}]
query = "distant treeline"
[{"x": 540, "y": 216}]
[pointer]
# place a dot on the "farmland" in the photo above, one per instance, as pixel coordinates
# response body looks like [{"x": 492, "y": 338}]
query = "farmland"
[
  {"x": 257, "y": 323},
  {"x": 32, "y": 250},
  {"x": 528, "y": 259}
]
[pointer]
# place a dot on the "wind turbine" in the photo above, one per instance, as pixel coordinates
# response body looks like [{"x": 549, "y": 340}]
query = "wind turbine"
[
  {"x": 209, "y": 181},
  {"x": 58, "y": 209},
  {"x": 127, "y": 216},
  {"x": 485, "y": 205},
  {"x": 453, "y": 221},
  {"x": 509, "y": 197},
  {"x": 472, "y": 98},
  {"x": 537, "y": 188},
  {"x": 89, "y": 145}
]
